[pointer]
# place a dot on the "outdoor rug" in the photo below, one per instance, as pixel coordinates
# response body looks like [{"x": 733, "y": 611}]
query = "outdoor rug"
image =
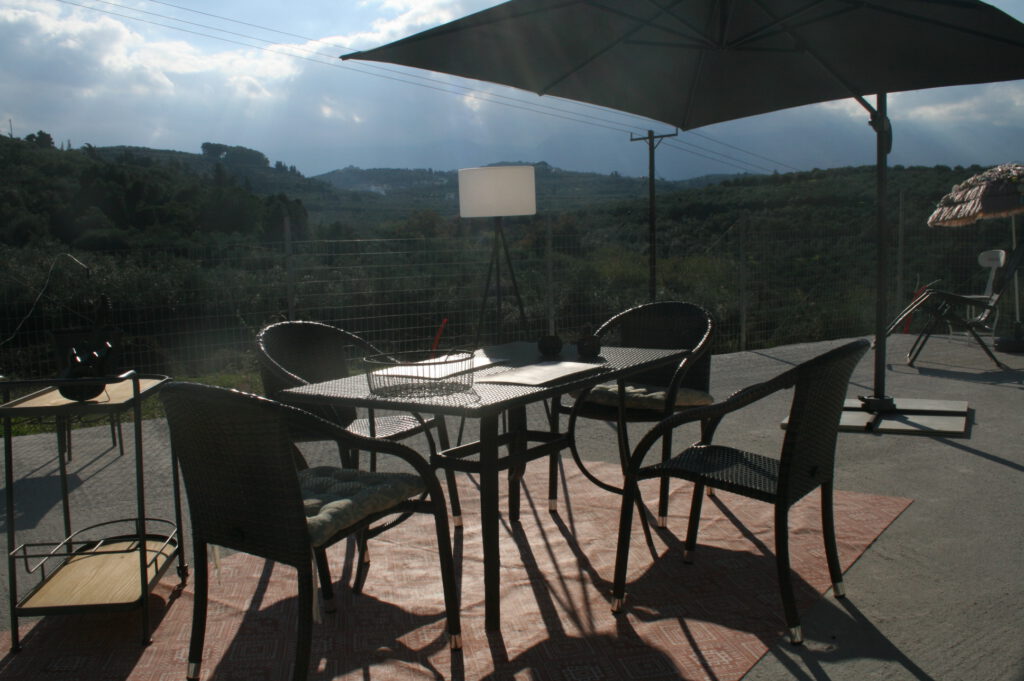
[{"x": 713, "y": 619}]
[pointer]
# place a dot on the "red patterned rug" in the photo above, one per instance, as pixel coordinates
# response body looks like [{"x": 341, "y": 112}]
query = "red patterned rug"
[{"x": 713, "y": 619}]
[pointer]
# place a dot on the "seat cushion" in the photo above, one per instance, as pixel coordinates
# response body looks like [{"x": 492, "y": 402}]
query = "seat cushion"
[
  {"x": 336, "y": 498},
  {"x": 643, "y": 396}
]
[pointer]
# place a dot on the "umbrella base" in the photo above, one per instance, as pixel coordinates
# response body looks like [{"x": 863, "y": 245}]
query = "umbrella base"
[
  {"x": 1014, "y": 343},
  {"x": 905, "y": 416},
  {"x": 1011, "y": 345}
]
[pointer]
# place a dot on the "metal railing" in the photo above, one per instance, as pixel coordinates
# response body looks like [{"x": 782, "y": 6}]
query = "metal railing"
[{"x": 196, "y": 311}]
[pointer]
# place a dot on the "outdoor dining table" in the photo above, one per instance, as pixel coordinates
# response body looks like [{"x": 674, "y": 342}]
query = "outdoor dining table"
[{"x": 496, "y": 391}]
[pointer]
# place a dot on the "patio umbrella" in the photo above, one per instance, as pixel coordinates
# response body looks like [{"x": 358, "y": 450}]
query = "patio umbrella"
[
  {"x": 996, "y": 193},
  {"x": 691, "y": 63}
]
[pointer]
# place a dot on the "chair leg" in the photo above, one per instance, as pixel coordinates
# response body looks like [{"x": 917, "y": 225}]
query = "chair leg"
[
  {"x": 630, "y": 493},
  {"x": 920, "y": 341},
  {"x": 363, "y": 567},
  {"x": 828, "y": 530},
  {"x": 453, "y": 488},
  {"x": 663, "y": 487},
  {"x": 984, "y": 346},
  {"x": 693, "y": 524},
  {"x": 553, "y": 460},
  {"x": 304, "y": 635},
  {"x": 201, "y": 584},
  {"x": 447, "y": 561},
  {"x": 555, "y": 457},
  {"x": 796, "y": 635},
  {"x": 323, "y": 570}
]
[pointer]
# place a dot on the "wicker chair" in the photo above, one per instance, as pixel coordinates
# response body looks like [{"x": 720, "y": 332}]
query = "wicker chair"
[
  {"x": 249, "y": 492},
  {"x": 652, "y": 395},
  {"x": 806, "y": 463},
  {"x": 944, "y": 307},
  {"x": 296, "y": 353}
]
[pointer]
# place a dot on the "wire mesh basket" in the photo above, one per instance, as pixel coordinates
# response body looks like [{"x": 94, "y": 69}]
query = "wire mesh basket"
[{"x": 420, "y": 372}]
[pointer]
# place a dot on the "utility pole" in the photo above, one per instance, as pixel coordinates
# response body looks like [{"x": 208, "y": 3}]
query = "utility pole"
[{"x": 652, "y": 143}]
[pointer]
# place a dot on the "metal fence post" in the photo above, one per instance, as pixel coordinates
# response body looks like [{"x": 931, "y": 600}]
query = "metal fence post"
[
  {"x": 289, "y": 267},
  {"x": 743, "y": 285}
]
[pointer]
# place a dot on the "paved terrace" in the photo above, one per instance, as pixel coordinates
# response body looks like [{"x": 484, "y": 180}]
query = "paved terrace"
[{"x": 940, "y": 595}]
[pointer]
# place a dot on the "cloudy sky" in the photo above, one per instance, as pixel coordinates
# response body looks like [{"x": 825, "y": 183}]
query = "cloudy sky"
[{"x": 265, "y": 74}]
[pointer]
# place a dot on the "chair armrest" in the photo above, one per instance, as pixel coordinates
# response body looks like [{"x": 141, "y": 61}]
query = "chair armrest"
[
  {"x": 957, "y": 299},
  {"x": 695, "y": 355},
  {"x": 709, "y": 416},
  {"x": 304, "y": 422}
]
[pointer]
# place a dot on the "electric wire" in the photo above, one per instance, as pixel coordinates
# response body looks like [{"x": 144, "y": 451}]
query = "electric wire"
[{"x": 418, "y": 80}]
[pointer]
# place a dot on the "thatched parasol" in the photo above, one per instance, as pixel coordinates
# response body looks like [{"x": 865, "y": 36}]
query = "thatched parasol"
[{"x": 996, "y": 193}]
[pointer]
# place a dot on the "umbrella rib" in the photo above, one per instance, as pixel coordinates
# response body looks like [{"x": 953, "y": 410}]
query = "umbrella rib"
[
  {"x": 783, "y": 25},
  {"x": 622, "y": 39},
  {"x": 816, "y": 57},
  {"x": 944, "y": 24}
]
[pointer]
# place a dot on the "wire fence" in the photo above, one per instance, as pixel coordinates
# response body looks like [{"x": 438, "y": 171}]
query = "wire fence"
[{"x": 189, "y": 312}]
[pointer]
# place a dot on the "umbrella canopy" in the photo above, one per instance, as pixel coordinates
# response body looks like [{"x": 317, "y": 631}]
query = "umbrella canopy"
[
  {"x": 996, "y": 193},
  {"x": 691, "y": 63}
]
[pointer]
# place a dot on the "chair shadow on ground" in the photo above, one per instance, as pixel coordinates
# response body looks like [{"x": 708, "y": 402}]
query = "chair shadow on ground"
[
  {"x": 701, "y": 594},
  {"x": 734, "y": 589},
  {"x": 35, "y": 497},
  {"x": 842, "y": 617},
  {"x": 363, "y": 633}
]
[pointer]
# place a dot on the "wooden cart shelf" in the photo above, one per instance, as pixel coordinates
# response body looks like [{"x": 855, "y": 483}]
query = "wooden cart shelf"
[{"x": 105, "y": 573}]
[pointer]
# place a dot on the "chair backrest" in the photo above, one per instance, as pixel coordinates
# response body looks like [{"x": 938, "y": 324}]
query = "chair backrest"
[
  {"x": 808, "y": 450},
  {"x": 295, "y": 353},
  {"x": 1004, "y": 275},
  {"x": 667, "y": 324},
  {"x": 992, "y": 260},
  {"x": 239, "y": 471}
]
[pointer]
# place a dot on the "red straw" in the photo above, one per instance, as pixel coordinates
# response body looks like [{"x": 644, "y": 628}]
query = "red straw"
[{"x": 437, "y": 336}]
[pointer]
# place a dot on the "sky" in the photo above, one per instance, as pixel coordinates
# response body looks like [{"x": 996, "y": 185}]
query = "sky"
[{"x": 265, "y": 74}]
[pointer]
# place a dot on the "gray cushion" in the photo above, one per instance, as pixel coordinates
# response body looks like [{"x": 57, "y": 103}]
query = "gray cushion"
[
  {"x": 651, "y": 397},
  {"x": 338, "y": 497}
]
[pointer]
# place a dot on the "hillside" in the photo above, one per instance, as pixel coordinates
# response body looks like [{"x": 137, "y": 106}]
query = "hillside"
[{"x": 115, "y": 197}]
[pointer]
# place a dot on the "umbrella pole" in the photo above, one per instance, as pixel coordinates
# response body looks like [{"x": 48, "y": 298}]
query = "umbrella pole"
[
  {"x": 1016, "y": 281},
  {"x": 879, "y": 401},
  {"x": 881, "y": 413},
  {"x": 883, "y": 135}
]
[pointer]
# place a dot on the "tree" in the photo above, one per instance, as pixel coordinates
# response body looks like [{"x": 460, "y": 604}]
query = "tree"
[{"x": 41, "y": 139}]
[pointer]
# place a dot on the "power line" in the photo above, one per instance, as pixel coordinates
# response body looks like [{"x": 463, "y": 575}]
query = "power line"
[{"x": 414, "y": 79}]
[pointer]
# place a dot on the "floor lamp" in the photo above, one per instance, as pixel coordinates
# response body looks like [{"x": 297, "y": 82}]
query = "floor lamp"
[{"x": 497, "y": 192}]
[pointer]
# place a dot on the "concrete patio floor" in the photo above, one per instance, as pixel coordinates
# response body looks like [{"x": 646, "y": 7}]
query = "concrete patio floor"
[{"x": 940, "y": 595}]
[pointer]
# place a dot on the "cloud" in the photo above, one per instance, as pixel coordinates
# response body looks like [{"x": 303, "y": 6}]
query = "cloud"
[{"x": 405, "y": 17}]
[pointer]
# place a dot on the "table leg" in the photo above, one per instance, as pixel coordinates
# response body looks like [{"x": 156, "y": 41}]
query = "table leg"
[
  {"x": 12, "y": 584},
  {"x": 63, "y": 440},
  {"x": 489, "y": 520},
  {"x": 517, "y": 468}
]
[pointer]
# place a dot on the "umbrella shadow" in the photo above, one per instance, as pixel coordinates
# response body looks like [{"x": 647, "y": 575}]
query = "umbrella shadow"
[{"x": 1008, "y": 377}]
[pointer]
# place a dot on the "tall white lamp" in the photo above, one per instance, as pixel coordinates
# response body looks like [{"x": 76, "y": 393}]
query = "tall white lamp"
[{"x": 497, "y": 192}]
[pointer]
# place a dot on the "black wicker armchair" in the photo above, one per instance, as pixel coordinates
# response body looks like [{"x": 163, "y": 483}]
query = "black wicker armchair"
[
  {"x": 297, "y": 353},
  {"x": 247, "y": 491},
  {"x": 806, "y": 463},
  {"x": 654, "y": 394}
]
